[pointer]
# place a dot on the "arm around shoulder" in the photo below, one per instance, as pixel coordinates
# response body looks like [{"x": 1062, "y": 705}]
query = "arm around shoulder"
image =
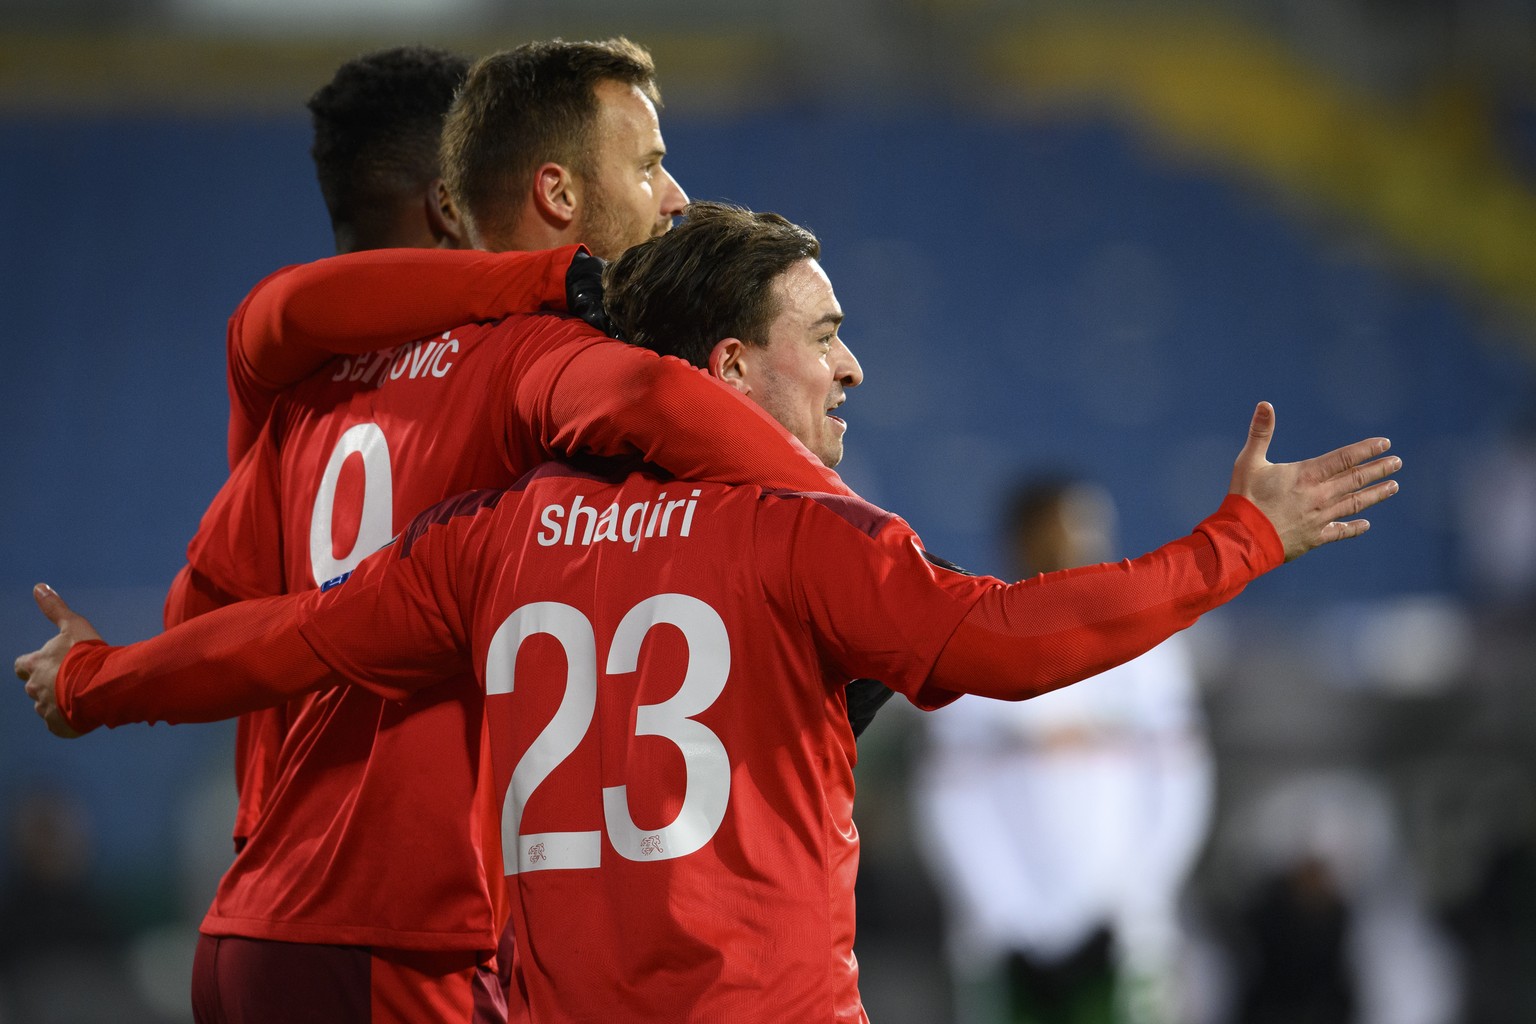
[{"x": 612, "y": 398}]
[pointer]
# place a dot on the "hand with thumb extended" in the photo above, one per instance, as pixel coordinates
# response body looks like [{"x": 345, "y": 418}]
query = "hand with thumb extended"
[
  {"x": 40, "y": 669},
  {"x": 1312, "y": 503}
]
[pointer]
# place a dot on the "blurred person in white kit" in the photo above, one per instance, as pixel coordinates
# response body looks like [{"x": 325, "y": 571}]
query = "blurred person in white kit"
[{"x": 1061, "y": 830}]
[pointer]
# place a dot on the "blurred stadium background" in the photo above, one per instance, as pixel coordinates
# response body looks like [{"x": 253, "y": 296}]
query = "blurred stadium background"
[{"x": 1085, "y": 234}]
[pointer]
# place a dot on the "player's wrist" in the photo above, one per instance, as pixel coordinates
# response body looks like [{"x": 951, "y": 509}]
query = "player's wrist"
[{"x": 79, "y": 665}]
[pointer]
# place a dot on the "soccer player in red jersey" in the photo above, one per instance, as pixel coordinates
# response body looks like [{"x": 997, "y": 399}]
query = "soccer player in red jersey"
[
  {"x": 348, "y": 456},
  {"x": 376, "y": 130},
  {"x": 664, "y": 660}
]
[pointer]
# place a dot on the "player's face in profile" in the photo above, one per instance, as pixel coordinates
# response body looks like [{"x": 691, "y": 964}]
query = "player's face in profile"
[
  {"x": 800, "y": 375},
  {"x": 629, "y": 197}
]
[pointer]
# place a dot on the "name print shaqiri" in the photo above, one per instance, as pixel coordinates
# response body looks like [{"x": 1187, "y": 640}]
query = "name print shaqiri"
[{"x": 623, "y": 524}]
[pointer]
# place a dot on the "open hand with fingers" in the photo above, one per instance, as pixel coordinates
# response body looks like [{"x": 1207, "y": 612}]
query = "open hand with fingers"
[
  {"x": 40, "y": 669},
  {"x": 1314, "y": 502}
]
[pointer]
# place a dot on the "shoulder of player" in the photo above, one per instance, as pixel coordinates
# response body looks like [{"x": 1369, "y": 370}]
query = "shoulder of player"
[
  {"x": 516, "y": 333},
  {"x": 260, "y": 287},
  {"x": 504, "y": 501},
  {"x": 457, "y": 508},
  {"x": 521, "y": 340},
  {"x": 463, "y": 357},
  {"x": 861, "y": 515},
  {"x": 550, "y": 323},
  {"x": 608, "y": 483}
]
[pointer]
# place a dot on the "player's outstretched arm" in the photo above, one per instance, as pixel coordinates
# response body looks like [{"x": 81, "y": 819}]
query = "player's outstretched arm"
[
  {"x": 384, "y": 630},
  {"x": 1314, "y": 502},
  {"x": 40, "y": 669},
  {"x": 1021, "y": 640},
  {"x": 231, "y": 660}
]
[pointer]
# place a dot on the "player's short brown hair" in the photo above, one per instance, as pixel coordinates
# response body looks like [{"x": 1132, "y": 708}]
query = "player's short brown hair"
[
  {"x": 710, "y": 277},
  {"x": 525, "y": 107}
]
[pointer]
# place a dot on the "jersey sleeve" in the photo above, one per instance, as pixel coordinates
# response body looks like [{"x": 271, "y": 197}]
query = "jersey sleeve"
[
  {"x": 879, "y": 607},
  {"x": 251, "y": 396},
  {"x": 237, "y": 553},
  {"x": 191, "y": 594},
  {"x": 231, "y": 660},
  {"x": 609, "y": 398},
  {"x": 392, "y": 625},
  {"x": 1040, "y": 634},
  {"x": 876, "y": 606},
  {"x": 296, "y": 319},
  {"x": 401, "y": 620}
]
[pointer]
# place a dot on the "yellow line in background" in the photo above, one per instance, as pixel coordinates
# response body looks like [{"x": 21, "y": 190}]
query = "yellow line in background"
[
  {"x": 117, "y": 71},
  {"x": 1426, "y": 175}
]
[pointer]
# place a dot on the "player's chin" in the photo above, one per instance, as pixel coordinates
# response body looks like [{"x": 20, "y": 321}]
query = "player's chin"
[
  {"x": 831, "y": 447},
  {"x": 831, "y": 452}
]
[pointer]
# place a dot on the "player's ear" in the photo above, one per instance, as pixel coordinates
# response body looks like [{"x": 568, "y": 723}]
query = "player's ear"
[
  {"x": 443, "y": 217},
  {"x": 728, "y": 363},
  {"x": 555, "y": 193}
]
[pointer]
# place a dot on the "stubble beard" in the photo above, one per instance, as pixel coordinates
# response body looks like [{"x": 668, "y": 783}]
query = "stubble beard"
[{"x": 603, "y": 228}]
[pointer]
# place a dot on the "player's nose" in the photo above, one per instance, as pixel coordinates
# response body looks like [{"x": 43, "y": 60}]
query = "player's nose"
[
  {"x": 673, "y": 199},
  {"x": 846, "y": 366}
]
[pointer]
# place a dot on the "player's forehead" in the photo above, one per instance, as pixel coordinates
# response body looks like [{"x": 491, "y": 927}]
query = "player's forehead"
[
  {"x": 804, "y": 299},
  {"x": 628, "y": 126}
]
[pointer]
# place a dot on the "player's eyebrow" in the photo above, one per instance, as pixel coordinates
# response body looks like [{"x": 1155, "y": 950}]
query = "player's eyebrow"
[{"x": 833, "y": 320}]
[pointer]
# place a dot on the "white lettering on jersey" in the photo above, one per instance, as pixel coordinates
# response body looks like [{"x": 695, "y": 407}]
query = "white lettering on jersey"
[
  {"x": 550, "y": 518},
  {"x": 587, "y": 524},
  {"x": 426, "y": 358},
  {"x": 362, "y": 367}
]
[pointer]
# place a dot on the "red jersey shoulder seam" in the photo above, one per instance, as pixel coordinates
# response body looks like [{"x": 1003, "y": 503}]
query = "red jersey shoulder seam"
[
  {"x": 855, "y": 511},
  {"x": 467, "y": 504}
]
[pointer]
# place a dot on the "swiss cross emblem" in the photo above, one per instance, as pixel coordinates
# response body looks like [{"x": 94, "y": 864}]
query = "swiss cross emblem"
[
  {"x": 536, "y": 853},
  {"x": 650, "y": 844}
]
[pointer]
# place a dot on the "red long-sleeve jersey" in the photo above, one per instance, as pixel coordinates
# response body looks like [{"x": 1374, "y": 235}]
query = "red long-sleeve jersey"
[
  {"x": 663, "y": 762},
  {"x": 290, "y": 325},
  {"x": 344, "y": 461},
  {"x": 392, "y": 313}
]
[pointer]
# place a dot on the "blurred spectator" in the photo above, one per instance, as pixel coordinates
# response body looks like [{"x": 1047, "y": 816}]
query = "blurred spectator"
[
  {"x": 1496, "y": 925},
  {"x": 1296, "y": 925},
  {"x": 49, "y": 902},
  {"x": 1333, "y": 930},
  {"x": 61, "y": 948},
  {"x": 1498, "y": 528},
  {"x": 1061, "y": 830}
]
